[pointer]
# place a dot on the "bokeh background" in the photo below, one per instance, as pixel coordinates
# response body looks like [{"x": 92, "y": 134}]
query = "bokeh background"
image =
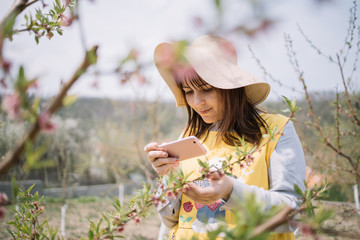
[{"x": 95, "y": 151}]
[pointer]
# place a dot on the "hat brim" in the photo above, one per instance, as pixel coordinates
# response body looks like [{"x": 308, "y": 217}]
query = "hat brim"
[{"x": 217, "y": 72}]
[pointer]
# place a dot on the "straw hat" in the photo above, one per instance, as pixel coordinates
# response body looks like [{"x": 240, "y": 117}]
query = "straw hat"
[{"x": 214, "y": 59}]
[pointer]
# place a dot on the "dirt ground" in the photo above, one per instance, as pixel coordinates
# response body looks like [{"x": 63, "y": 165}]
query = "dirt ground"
[{"x": 344, "y": 226}]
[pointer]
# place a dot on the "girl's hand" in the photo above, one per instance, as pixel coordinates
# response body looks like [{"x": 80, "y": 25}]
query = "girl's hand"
[
  {"x": 221, "y": 186},
  {"x": 159, "y": 159}
]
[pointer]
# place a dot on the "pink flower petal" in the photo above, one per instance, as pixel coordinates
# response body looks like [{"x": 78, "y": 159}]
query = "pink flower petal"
[
  {"x": 45, "y": 124},
  {"x": 11, "y": 104}
]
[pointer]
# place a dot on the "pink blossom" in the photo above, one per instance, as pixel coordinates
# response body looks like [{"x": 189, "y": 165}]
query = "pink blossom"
[
  {"x": 141, "y": 78},
  {"x": 6, "y": 66},
  {"x": 198, "y": 22},
  {"x": 137, "y": 220},
  {"x": 44, "y": 122},
  {"x": 167, "y": 57},
  {"x": 41, "y": 209},
  {"x": 3, "y": 83},
  {"x": 34, "y": 85},
  {"x": 170, "y": 194},
  {"x": 125, "y": 77},
  {"x": 3, "y": 199},
  {"x": 229, "y": 48},
  {"x": 11, "y": 104},
  {"x": 95, "y": 84},
  {"x": 183, "y": 71},
  {"x": 155, "y": 200},
  {"x": 2, "y": 212},
  {"x": 133, "y": 54},
  {"x": 66, "y": 21},
  {"x": 313, "y": 178},
  {"x": 307, "y": 230}
]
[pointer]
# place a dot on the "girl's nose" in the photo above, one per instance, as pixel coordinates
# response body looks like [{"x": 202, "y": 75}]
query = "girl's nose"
[{"x": 198, "y": 99}]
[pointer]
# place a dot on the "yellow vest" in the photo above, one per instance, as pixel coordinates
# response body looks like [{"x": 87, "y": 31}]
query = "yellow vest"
[{"x": 195, "y": 218}]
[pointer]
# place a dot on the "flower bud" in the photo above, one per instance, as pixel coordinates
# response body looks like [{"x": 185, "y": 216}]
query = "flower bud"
[{"x": 137, "y": 220}]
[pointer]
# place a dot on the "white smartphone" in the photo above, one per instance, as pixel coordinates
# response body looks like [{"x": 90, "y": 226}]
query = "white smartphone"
[{"x": 184, "y": 148}]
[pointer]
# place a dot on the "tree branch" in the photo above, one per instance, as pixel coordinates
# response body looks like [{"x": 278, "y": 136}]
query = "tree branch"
[
  {"x": 17, "y": 7},
  {"x": 278, "y": 219},
  {"x": 13, "y": 156}
]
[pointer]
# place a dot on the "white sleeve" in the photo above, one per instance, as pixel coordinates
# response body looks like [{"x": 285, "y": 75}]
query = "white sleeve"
[{"x": 286, "y": 168}]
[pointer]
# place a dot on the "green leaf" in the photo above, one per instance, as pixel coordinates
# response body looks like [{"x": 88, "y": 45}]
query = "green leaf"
[
  {"x": 15, "y": 188},
  {"x": 35, "y": 105},
  {"x": 33, "y": 156},
  {"x": 11, "y": 233},
  {"x": 292, "y": 105},
  {"x": 21, "y": 77},
  {"x": 91, "y": 234},
  {"x": 218, "y": 4},
  {"x": 298, "y": 190},
  {"x": 59, "y": 31},
  {"x": 98, "y": 225},
  {"x": 69, "y": 100},
  {"x": 8, "y": 25},
  {"x": 286, "y": 110},
  {"x": 91, "y": 56},
  {"x": 203, "y": 164},
  {"x": 29, "y": 189}
]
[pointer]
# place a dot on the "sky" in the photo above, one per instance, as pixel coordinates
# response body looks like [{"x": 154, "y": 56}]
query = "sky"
[{"x": 119, "y": 25}]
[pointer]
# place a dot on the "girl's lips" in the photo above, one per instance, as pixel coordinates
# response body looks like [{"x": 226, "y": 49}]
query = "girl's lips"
[{"x": 205, "y": 111}]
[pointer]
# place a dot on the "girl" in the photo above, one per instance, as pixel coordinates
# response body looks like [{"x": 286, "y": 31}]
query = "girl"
[{"x": 221, "y": 103}]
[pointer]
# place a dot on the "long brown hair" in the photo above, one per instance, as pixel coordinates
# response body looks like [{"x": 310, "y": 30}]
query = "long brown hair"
[{"x": 240, "y": 116}]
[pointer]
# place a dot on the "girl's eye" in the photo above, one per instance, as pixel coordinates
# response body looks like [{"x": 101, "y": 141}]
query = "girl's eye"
[
  {"x": 207, "y": 90},
  {"x": 188, "y": 92}
]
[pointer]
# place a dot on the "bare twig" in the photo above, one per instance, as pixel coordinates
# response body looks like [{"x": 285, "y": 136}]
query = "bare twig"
[
  {"x": 295, "y": 64},
  {"x": 314, "y": 46},
  {"x": 13, "y": 156},
  {"x": 267, "y": 74},
  {"x": 278, "y": 219},
  {"x": 81, "y": 27},
  {"x": 353, "y": 112},
  {"x": 337, "y": 121},
  {"x": 350, "y": 33},
  {"x": 355, "y": 64}
]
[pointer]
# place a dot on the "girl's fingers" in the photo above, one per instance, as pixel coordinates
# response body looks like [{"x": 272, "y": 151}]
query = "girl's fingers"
[
  {"x": 163, "y": 169},
  {"x": 164, "y": 161},
  {"x": 154, "y": 155},
  {"x": 214, "y": 176},
  {"x": 150, "y": 146},
  {"x": 153, "y": 147}
]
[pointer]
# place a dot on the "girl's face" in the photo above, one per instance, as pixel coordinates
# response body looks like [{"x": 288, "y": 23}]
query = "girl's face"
[{"x": 204, "y": 100}]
